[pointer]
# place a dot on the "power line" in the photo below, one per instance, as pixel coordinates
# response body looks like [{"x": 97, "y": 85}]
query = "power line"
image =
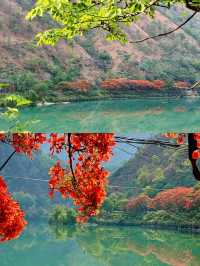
[
  {"x": 46, "y": 181},
  {"x": 27, "y": 178}
]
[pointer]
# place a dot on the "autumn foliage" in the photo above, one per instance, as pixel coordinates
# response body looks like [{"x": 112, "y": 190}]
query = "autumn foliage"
[
  {"x": 27, "y": 143},
  {"x": 82, "y": 177},
  {"x": 179, "y": 197},
  {"x": 138, "y": 204},
  {"x": 86, "y": 184},
  {"x": 80, "y": 85},
  {"x": 123, "y": 83},
  {"x": 12, "y": 220}
]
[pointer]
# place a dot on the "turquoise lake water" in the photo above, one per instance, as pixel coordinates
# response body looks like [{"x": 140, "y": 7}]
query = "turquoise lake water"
[
  {"x": 100, "y": 246},
  {"x": 127, "y": 116}
]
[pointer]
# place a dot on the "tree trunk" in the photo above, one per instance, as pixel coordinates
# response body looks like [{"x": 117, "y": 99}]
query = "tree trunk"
[{"x": 192, "y": 146}]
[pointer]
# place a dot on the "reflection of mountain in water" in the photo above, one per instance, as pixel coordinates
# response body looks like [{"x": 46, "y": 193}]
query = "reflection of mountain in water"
[{"x": 98, "y": 246}]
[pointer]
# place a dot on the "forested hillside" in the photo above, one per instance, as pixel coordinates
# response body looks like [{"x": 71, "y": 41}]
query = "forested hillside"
[
  {"x": 156, "y": 187},
  {"x": 38, "y": 71},
  {"x": 154, "y": 168}
]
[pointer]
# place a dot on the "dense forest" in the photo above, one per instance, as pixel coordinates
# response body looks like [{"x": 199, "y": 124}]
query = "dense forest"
[{"x": 90, "y": 66}]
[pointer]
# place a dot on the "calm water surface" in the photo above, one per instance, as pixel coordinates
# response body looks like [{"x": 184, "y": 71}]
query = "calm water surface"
[
  {"x": 143, "y": 115},
  {"x": 100, "y": 246}
]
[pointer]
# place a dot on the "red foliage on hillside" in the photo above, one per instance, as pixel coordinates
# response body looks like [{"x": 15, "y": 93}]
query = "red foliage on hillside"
[
  {"x": 123, "y": 83},
  {"x": 179, "y": 197},
  {"x": 138, "y": 204},
  {"x": 81, "y": 85},
  {"x": 181, "y": 85}
]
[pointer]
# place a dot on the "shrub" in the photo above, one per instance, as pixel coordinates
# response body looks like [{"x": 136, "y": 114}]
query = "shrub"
[
  {"x": 173, "y": 199},
  {"x": 139, "y": 205},
  {"x": 15, "y": 101}
]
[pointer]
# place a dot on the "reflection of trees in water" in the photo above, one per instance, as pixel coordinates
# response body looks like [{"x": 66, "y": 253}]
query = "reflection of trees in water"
[
  {"x": 110, "y": 246},
  {"x": 107, "y": 243},
  {"x": 63, "y": 232}
]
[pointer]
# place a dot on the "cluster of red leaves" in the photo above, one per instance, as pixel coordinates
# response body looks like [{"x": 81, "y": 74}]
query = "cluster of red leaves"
[
  {"x": 12, "y": 220},
  {"x": 87, "y": 184},
  {"x": 57, "y": 143},
  {"x": 180, "y": 139},
  {"x": 123, "y": 83},
  {"x": 27, "y": 142},
  {"x": 179, "y": 197}
]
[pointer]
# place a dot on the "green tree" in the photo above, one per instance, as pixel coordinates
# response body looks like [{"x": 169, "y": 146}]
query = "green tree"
[
  {"x": 63, "y": 215},
  {"x": 79, "y": 17}
]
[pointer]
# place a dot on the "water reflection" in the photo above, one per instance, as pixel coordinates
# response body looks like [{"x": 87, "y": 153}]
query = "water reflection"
[
  {"x": 95, "y": 245},
  {"x": 144, "y": 115}
]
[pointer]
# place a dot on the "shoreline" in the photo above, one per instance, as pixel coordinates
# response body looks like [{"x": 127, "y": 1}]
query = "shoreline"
[
  {"x": 101, "y": 99},
  {"x": 171, "y": 227},
  {"x": 189, "y": 229}
]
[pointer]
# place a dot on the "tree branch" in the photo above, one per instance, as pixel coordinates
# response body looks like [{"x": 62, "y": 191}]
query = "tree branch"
[
  {"x": 70, "y": 160},
  {"x": 6, "y": 162},
  {"x": 195, "y": 85},
  {"x": 167, "y": 33},
  {"x": 132, "y": 141}
]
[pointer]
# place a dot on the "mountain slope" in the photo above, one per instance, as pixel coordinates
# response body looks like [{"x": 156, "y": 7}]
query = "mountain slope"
[
  {"x": 153, "y": 168},
  {"x": 169, "y": 58}
]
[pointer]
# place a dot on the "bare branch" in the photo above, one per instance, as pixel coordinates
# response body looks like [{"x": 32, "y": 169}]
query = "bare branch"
[
  {"x": 8, "y": 159},
  {"x": 132, "y": 141},
  {"x": 167, "y": 33}
]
